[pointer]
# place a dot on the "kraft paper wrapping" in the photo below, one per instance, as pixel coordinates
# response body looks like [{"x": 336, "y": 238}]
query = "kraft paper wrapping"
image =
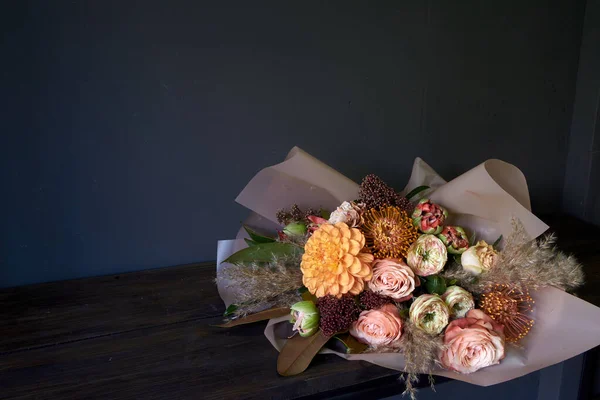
[{"x": 483, "y": 200}]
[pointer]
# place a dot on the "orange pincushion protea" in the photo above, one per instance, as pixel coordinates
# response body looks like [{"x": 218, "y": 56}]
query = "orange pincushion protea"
[
  {"x": 333, "y": 263},
  {"x": 389, "y": 232}
]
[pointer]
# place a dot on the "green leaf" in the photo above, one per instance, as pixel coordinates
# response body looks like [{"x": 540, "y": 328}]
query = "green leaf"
[
  {"x": 265, "y": 252},
  {"x": 295, "y": 229},
  {"x": 250, "y": 242},
  {"x": 257, "y": 237},
  {"x": 497, "y": 242},
  {"x": 324, "y": 213},
  {"x": 309, "y": 296},
  {"x": 306, "y": 295},
  {"x": 404, "y": 313},
  {"x": 416, "y": 191},
  {"x": 435, "y": 285},
  {"x": 230, "y": 310},
  {"x": 474, "y": 239},
  {"x": 452, "y": 282}
]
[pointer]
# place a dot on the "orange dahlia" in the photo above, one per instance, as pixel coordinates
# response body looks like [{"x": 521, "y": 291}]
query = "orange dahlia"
[
  {"x": 333, "y": 263},
  {"x": 389, "y": 232}
]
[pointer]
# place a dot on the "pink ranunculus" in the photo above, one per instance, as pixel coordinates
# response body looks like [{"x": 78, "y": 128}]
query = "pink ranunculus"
[
  {"x": 472, "y": 343},
  {"x": 393, "y": 278},
  {"x": 378, "y": 327}
]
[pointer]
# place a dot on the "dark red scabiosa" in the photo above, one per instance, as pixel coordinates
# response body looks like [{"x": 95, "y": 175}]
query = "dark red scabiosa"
[
  {"x": 375, "y": 193},
  {"x": 337, "y": 314},
  {"x": 370, "y": 300}
]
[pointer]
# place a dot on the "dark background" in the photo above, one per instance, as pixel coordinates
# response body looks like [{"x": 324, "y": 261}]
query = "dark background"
[{"x": 128, "y": 128}]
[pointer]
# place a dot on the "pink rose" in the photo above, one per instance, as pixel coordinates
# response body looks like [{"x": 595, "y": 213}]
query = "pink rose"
[
  {"x": 378, "y": 327},
  {"x": 472, "y": 343},
  {"x": 393, "y": 278}
]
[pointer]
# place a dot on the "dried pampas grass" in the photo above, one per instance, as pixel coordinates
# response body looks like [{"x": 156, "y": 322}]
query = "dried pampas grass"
[
  {"x": 420, "y": 351},
  {"x": 261, "y": 286},
  {"x": 526, "y": 264}
]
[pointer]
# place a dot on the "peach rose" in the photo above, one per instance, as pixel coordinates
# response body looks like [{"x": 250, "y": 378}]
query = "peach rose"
[
  {"x": 378, "y": 327},
  {"x": 472, "y": 343},
  {"x": 393, "y": 278}
]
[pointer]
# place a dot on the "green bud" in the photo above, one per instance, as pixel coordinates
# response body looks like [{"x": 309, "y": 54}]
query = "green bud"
[
  {"x": 295, "y": 229},
  {"x": 305, "y": 317}
]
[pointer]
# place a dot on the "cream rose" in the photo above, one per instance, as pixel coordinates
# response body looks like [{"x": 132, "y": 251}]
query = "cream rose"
[
  {"x": 427, "y": 256},
  {"x": 349, "y": 213},
  {"x": 394, "y": 279},
  {"x": 458, "y": 300},
  {"x": 479, "y": 258},
  {"x": 378, "y": 327},
  {"x": 429, "y": 313},
  {"x": 472, "y": 343}
]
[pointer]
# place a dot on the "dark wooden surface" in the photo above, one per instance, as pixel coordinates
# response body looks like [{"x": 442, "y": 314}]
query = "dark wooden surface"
[{"x": 150, "y": 335}]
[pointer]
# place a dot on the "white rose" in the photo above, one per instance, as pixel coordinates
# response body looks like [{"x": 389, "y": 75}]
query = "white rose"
[
  {"x": 429, "y": 313},
  {"x": 346, "y": 213},
  {"x": 479, "y": 258},
  {"x": 427, "y": 256},
  {"x": 458, "y": 300}
]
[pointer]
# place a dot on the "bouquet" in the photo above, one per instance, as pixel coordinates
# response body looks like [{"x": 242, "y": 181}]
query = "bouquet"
[{"x": 441, "y": 278}]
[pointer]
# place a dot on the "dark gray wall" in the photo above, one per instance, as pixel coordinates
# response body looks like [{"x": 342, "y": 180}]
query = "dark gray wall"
[
  {"x": 581, "y": 196},
  {"x": 128, "y": 128}
]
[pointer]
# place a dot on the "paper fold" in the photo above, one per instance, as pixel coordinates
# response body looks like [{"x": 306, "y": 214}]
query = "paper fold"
[{"x": 483, "y": 199}]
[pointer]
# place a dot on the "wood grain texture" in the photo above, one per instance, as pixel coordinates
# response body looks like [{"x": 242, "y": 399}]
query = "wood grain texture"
[
  {"x": 151, "y": 335},
  {"x": 57, "y": 312},
  {"x": 188, "y": 360}
]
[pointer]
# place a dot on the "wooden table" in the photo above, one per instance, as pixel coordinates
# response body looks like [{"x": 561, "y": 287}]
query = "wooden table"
[{"x": 150, "y": 335}]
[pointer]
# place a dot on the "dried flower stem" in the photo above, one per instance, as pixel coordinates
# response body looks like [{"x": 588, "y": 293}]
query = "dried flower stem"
[{"x": 420, "y": 352}]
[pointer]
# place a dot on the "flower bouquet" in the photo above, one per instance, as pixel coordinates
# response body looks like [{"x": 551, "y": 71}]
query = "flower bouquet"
[{"x": 441, "y": 278}]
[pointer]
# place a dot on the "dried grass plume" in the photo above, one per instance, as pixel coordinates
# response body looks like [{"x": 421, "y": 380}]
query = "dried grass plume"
[
  {"x": 261, "y": 286},
  {"x": 420, "y": 351},
  {"x": 526, "y": 264}
]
